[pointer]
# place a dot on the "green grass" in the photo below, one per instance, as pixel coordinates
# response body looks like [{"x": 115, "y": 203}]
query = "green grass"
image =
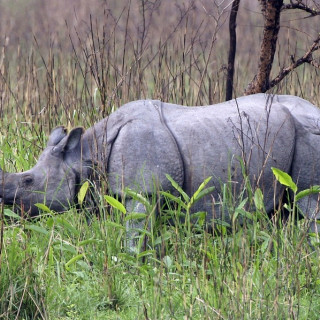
[
  {"x": 74, "y": 72},
  {"x": 59, "y": 267}
]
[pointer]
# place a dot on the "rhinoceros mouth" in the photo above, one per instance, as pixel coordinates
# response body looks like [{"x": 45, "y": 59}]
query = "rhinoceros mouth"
[{"x": 6, "y": 202}]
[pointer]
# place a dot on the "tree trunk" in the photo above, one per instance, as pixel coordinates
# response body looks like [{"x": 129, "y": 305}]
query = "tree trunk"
[
  {"x": 232, "y": 48},
  {"x": 271, "y": 10}
]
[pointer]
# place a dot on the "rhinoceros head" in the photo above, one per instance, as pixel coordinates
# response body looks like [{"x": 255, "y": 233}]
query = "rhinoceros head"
[{"x": 52, "y": 181}]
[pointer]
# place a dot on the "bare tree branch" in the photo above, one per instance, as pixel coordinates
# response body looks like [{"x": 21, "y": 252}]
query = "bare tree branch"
[
  {"x": 301, "y": 6},
  {"x": 271, "y": 11},
  {"x": 232, "y": 48},
  {"x": 306, "y": 58}
]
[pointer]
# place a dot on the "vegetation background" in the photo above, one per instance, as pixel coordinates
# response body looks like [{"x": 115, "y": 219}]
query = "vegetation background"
[{"x": 73, "y": 62}]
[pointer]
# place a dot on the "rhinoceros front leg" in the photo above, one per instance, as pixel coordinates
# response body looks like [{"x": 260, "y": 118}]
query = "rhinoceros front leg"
[
  {"x": 142, "y": 154},
  {"x": 135, "y": 240}
]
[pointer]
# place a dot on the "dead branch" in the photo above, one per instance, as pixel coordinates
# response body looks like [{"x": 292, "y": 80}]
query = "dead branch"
[
  {"x": 306, "y": 58},
  {"x": 301, "y": 6}
]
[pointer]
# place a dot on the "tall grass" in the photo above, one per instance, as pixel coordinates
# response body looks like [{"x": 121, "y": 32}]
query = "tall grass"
[
  {"x": 76, "y": 70},
  {"x": 59, "y": 267}
]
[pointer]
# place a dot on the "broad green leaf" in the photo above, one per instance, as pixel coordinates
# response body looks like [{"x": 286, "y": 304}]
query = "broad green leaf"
[
  {"x": 138, "y": 197},
  {"x": 82, "y": 192},
  {"x": 244, "y": 213},
  {"x": 143, "y": 232},
  {"x": 195, "y": 196},
  {"x": 178, "y": 188},
  {"x": 258, "y": 199},
  {"x": 199, "y": 214},
  {"x": 204, "y": 192},
  {"x": 43, "y": 207},
  {"x": 115, "y": 225},
  {"x": 115, "y": 203},
  {"x": 73, "y": 260},
  {"x": 36, "y": 228},
  {"x": 219, "y": 222},
  {"x": 127, "y": 257},
  {"x": 135, "y": 216},
  {"x": 307, "y": 192},
  {"x": 146, "y": 253},
  {"x": 241, "y": 211},
  {"x": 242, "y": 204},
  {"x": 284, "y": 179},
  {"x": 173, "y": 198},
  {"x": 10, "y": 213}
]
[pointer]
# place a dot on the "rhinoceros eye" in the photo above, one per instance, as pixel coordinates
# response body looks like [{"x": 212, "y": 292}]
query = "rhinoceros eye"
[{"x": 27, "y": 180}]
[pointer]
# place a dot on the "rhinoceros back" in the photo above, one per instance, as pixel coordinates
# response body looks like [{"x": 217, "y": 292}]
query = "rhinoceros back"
[{"x": 229, "y": 141}]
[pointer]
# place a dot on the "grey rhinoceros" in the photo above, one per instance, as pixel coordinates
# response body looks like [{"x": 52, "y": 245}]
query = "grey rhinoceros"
[{"x": 141, "y": 142}]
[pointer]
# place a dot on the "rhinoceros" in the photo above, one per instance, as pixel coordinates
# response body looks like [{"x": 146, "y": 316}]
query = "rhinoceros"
[{"x": 143, "y": 141}]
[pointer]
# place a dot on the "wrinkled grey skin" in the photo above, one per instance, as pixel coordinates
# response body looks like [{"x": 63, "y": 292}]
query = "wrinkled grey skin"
[{"x": 144, "y": 140}]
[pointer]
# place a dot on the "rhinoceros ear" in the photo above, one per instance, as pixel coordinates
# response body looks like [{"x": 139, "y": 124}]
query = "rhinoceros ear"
[
  {"x": 73, "y": 139},
  {"x": 70, "y": 142},
  {"x": 56, "y": 135}
]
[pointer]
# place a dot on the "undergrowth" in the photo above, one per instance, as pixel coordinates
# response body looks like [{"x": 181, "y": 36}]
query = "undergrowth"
[{"x": 59, "y": 267}]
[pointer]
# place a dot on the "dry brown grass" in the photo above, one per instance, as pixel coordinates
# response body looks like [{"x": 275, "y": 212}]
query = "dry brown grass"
[{"x": 75, "y": 61}]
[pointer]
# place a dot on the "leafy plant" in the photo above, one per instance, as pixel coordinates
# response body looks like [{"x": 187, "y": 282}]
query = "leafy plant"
[{"x": 287, "y": 181}]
